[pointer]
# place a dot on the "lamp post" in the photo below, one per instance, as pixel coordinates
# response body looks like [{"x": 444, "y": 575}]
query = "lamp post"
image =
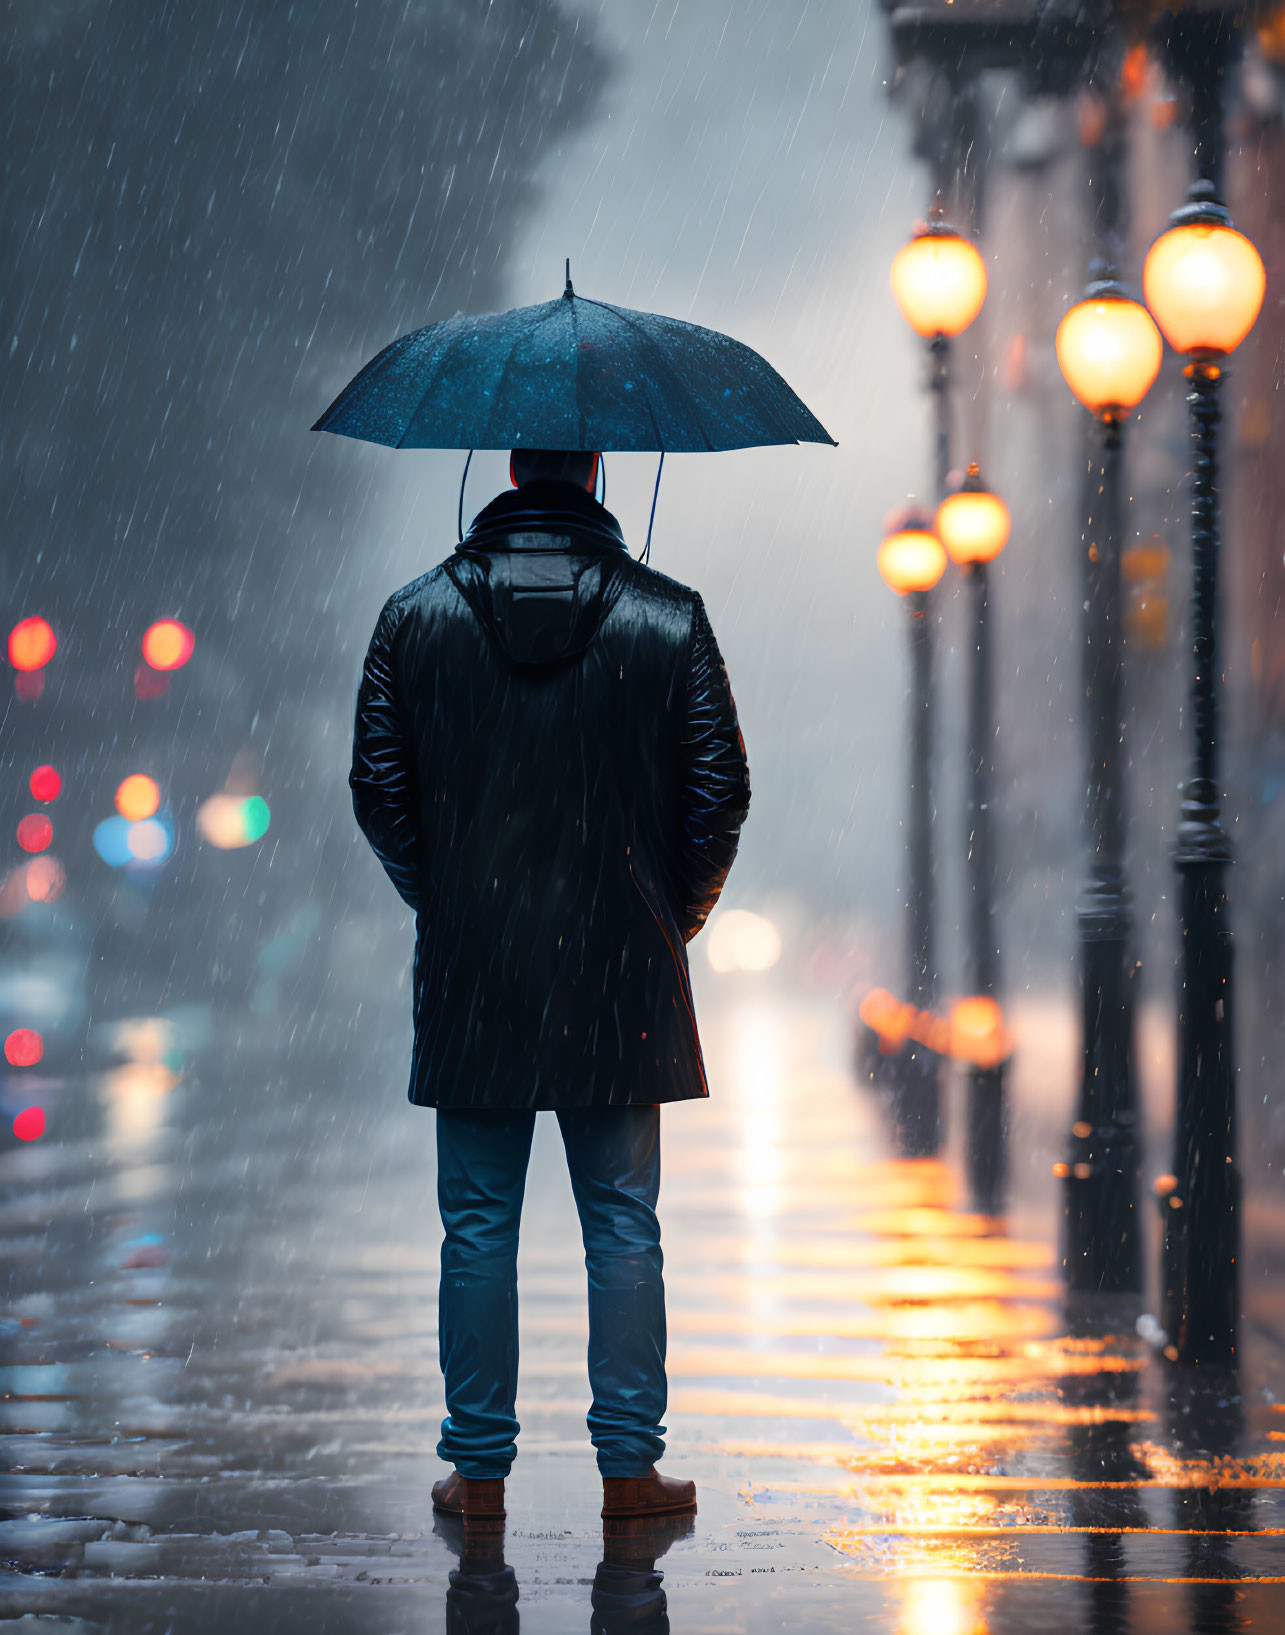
[
  {"x": 1109, "y": 353},
  {"x": 1204, "y": 283},
  {"x": 911, "y": 561},
  {"x": 939, "y": 283},
  {"x": 973, "y": 525}
]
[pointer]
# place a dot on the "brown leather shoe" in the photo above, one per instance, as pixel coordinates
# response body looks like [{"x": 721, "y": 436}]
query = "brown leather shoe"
[
  {"x": 650, "y": 1495},
  {"x": 469, "y": 1497}
]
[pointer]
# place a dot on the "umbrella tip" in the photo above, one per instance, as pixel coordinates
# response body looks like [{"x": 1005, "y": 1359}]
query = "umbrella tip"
[{"x": 568, "y": 290}]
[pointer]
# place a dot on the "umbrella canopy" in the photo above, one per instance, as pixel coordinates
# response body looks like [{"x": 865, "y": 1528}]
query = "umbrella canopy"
[{"x": 570, "y": 374}]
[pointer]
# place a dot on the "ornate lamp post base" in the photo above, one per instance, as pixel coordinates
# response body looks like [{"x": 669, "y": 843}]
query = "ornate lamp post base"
[
  {"x": 1101, "y": 1231},
  {"x": 1200, "y": 1304}
]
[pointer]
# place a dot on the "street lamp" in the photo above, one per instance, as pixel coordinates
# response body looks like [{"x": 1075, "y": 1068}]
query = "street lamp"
[
  {"x": 911, "y": 560},
  {"x": 939, "y": 281},
  {"x": 1109, "y": 352},
  {"x": 939, "y": 284},
  {"x": 1204, "y": 283},
  {"x": 973, "y": 525}
]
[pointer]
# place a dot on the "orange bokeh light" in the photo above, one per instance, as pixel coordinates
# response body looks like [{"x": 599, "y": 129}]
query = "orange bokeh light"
[
  {"x": 149, "y": 683},
  {"x": 32, "y": 644},
  {"x": 138, "y": 797},
  {"x": 23, "y": 1048},
  {"x": 167, "y": 645},
  {"x": 35, "y": 832},
  {"x": 977, "y": 1031},
  {"x": 894, "y": 1021}
]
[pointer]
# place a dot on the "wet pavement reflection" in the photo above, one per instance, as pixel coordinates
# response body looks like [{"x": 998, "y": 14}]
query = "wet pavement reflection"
[{"x": 221, "y": 1399}]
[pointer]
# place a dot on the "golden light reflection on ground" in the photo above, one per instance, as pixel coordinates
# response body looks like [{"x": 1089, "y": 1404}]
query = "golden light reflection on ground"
[
  {"x": 941, "y": 1606},
  {"x": 920, "y": 1350}
]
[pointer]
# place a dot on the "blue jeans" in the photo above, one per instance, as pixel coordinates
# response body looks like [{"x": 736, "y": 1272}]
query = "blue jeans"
[{"x": 613, "y": 1154}]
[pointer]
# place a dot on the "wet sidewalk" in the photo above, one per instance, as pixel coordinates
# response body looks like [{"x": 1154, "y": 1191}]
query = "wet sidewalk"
[{"x": 222, "y": 1399}]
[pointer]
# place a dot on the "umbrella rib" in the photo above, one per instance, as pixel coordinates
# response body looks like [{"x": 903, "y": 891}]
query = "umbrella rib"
[
  {"x": 623, "y": 314},
  {"x": 791, "y": 432},
  {"x": 430, "y": 389},
  {"x": 575, "y": 336},
  {"x": 549, "y": 312},
  {"x": 575, "y": 326},
  {"x": 423, "y": 397}
]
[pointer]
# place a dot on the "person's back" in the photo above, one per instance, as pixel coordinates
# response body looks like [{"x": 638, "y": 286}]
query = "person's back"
[{"x": 547, "y": 762}]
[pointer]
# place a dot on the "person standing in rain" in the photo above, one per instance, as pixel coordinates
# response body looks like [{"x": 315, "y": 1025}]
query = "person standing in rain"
[{"x": 548, "y": 765}]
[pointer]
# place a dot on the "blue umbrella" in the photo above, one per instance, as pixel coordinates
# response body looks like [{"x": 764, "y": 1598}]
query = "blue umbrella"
[{"x": 570, "y": 374}]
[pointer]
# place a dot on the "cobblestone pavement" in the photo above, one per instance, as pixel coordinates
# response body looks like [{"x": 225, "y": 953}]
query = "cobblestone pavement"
[{"x": 222, "y": 1398}]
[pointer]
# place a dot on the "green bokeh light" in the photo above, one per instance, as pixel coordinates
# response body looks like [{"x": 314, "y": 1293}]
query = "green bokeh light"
[{"x": 256, "y": 817}]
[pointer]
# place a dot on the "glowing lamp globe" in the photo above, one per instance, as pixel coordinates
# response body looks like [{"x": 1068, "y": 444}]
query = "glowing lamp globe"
[
  {"x": 32, "y": 644},
  {"x": 911, "y": 557},
  {"x": 1109, "y": 352},
  {"x": 939, "y": 282},
  {"x": 1204, "y": 281},
  {"x": 973, "y": 524}
]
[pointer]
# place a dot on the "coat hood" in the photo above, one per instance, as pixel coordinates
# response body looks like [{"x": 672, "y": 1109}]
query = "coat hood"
[{"x": 539, "y": 567}]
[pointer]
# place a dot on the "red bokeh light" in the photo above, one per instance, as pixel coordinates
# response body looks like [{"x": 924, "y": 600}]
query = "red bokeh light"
[
  {"x": 35, "y": 832},
  {"x": 149, "y": 683},
  {"x": 147, "y": 1254},
  {"x": 23, "y": 1048},
  {"x": 45, "y": 784},
  {"x": 29, "y": 1124},
  {"x": 167, "y": 645},
  {"x": 31, "y": 644}
]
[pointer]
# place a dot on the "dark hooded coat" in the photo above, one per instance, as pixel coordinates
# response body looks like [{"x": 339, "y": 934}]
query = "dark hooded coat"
[{"x": 547, "y": 762}]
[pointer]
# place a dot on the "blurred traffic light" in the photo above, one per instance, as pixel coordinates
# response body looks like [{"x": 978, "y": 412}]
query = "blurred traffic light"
[{"x": 168, "y": 645}]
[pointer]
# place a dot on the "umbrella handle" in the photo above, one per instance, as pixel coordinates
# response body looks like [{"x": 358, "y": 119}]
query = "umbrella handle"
[
  {"x": 655, "y": 494},
  {"x": 459, "y": 515}
]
